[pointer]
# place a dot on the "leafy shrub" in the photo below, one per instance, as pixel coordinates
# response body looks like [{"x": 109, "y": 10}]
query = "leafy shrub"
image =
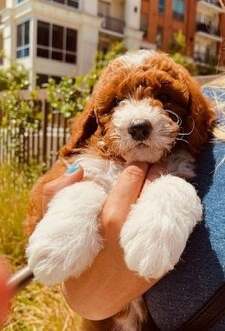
[
  {"x": 177, "y": 49},
  {"x": 37, "y": 307},
  {"x": 70, "y": 95}
]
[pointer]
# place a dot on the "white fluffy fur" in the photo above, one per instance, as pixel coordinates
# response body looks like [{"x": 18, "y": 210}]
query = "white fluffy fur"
[
  {"x": 158, "y": 226},
  {"x": 158, "y": 142},
  {"x": 66, "y": 241},
  {"x": 136, "y": 58}
]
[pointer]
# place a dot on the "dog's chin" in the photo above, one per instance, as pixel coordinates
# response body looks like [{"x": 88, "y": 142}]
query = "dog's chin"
[{"x": 143, "y": 153}]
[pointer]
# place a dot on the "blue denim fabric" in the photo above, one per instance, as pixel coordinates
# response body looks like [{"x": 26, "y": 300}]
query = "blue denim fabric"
[{"x": 201, "y": 270}]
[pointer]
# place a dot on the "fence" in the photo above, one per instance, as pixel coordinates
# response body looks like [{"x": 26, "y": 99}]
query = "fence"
[{"x": 39, "y": 143}]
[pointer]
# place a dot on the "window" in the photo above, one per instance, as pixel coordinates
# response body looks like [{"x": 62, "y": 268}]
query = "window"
[
  {"x": 159, "y": 37},
  {"x": 71, "y": 3},
  {"x": 56, "y": 42},
  {"x": 178, "y": 9},
  {"x": 23, "y": 40},
  {"x": 161, "y": 6},
  {"x": 103, "y": 8},
  {"x": 144, "y": 25},
  {"x": 19, "y": 1},
  {"x": 42, "y": 79},
  {"x": 43, "y": 37}
]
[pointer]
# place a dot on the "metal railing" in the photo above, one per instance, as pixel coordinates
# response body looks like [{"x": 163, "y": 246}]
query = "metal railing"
[
  {"x": 39, "y": 143},
  {"x": 208, "y": 28},
  {"x": 205, "y": 58},
  {"x": 112, "y": 24},
  {"x": 212, "y": 2}
]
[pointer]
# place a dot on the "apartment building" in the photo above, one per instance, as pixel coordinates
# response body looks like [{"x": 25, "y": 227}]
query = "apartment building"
[
  {"x": 55, "y": 38},
  {"x": 210, "y": 34},
  {"x": 202, "y": 22}
]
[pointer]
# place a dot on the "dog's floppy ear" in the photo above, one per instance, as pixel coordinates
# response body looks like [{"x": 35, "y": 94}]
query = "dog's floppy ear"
[
  {"x": 83, "y": 127},
  {"x": 200, "y": 116}
]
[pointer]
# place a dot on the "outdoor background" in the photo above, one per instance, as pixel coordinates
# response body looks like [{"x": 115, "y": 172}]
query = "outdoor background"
[{"x": 52, "y": 53}]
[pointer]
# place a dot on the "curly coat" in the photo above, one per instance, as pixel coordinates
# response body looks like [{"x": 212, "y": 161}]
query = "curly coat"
[{"x": 168, "y": 85}]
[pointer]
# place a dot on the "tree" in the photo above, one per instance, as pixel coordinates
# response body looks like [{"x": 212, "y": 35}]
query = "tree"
[{"x": 71, "y": 94}]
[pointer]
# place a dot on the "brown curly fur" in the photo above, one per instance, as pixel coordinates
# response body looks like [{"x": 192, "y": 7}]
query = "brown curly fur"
[{"x": 158, "y": 76}]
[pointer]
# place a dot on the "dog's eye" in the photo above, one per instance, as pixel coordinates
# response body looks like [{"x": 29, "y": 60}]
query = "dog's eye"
[
  {"x": 116, "y": 101},
  {"x": 164, "y": 97},
  {"x": 122, "y": 102}
]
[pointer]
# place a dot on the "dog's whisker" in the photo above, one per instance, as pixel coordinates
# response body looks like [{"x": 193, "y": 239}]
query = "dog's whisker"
[
  {"x": 179, "y": 119},
  {"x": 185, "y": 141},
  {"x": 188, "y": 133}
]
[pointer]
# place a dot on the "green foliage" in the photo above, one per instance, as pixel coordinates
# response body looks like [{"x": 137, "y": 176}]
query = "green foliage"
[
  {"x": 178, "y": 43},
  {"x": 207, "y": 70},
  {"x": 185, "y": 62},
  {"x": 35, "y": 308},
  {"x": 70, "y": 95},
  {"x": 20, "y": 112},
  {"x": 16, "y": 111},
  {"x": 13, "y": 78},
  {"x": 177, "y": 49},
  {"x": 15, "y": 184}
]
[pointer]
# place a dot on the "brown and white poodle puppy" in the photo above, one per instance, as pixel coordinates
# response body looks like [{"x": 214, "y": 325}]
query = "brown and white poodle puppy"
[{"x": 144, "y": 108}]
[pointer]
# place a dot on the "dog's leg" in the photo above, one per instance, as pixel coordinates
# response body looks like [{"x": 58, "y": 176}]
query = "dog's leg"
[
  {"x": 66, "y": 241},
  {"x": 158, "y": 226}
]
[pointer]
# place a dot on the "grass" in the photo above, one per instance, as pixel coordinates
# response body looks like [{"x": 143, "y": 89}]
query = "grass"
[{"x": 36, "y": 308}]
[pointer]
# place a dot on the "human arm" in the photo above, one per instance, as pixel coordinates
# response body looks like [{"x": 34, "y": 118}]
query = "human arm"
[{"x": 109, "y": 268}]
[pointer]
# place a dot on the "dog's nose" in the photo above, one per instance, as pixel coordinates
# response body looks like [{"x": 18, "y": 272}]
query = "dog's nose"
[{"x": 140, "y": 130}]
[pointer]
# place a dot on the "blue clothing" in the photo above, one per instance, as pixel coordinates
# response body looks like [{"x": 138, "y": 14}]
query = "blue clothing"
[{"x": 201, "y": 270}]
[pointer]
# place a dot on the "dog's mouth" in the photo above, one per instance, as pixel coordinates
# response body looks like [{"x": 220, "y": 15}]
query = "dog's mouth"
[
  {"x": 138, "y": 146},
  {"x": 141, "y": 145}
]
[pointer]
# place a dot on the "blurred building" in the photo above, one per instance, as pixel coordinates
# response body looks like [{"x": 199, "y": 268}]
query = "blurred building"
[
  {"x": 201, "y": 21},
  {"x": 55, "y": 38}
]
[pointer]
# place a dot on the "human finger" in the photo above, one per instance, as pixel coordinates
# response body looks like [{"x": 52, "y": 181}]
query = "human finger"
[
  {"x": 123, "y": 195},
  {"x": 73, "y": 174}
]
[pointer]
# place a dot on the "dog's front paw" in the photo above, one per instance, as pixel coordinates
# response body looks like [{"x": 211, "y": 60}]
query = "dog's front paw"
[
  {"x": 158, "y": 226},
  {"x": 55, "y": 258},
  {"x": 66, "y": 241}
]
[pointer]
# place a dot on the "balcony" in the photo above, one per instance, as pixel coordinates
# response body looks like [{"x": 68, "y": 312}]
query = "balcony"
[
  {"x": 112, "y": 24},
  {"x": 214, "y": 5},
  {"x": 205, "y": 58},
  {"x": 70, "y": 3},
  {"x": 212, "y": 2},
  {"x": 208, "y": 28},
  {"x": 208, "y": 31}
]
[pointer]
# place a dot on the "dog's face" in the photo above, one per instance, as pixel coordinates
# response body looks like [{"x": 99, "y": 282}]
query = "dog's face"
[
  {"x": 140, "y": 128},
  {"x": 141, "y": 107}
]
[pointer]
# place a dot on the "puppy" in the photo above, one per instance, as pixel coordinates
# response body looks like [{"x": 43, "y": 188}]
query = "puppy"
[{"x": 144, "y": 108}]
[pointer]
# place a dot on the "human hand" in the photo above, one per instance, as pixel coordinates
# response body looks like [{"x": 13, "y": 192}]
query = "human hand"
[
  {"x": 109, "y": 266},
  {"x": 73, "y": 174},
  {"x": 109, "y": 278}
]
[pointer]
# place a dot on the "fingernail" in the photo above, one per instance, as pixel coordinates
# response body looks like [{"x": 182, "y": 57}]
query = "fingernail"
[{"x": 72, "y": 168}]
